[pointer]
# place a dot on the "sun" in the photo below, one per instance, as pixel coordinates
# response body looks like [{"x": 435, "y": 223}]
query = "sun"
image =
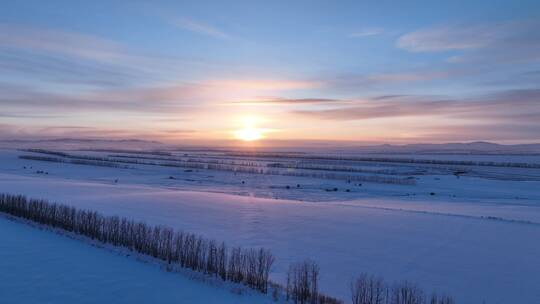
[{"x": 249, "y": 132}]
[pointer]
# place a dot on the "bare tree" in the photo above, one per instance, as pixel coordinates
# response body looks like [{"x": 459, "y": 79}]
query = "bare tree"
[
  {"x": 406, "y": 293},
  {"x": 368, "y": 290},
  {"x": 302, "y": 282},
  {"x": 442, "y": 299}
]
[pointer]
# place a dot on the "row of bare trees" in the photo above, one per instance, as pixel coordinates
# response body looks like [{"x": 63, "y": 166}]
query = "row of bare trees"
[
  {"x": 383, "y": 159},
  {"x": 339, "y": 168},
  {"x": 255, "y": 168},
  {"x": 188, "y": 250},
  {"x": 58, "y": 153},
  {"x": 201, "y": 159},
  {"x": 349, "y": 177},
  {"x": 247, "y": 266},
  {"x": 243, "y": 168},
  {"x": 366, "y": 289},
  {"x": 99, "y": 163}
]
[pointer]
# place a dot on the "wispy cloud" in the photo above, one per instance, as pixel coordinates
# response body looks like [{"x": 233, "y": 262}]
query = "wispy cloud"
[
  {"x": 386, "y": 97},
  {"x": 362, "y": 110},
  {"x": 64, "y": 57},
  {"x": 286, "y": 101},
  {"x": 159, "y": 98},
  {"x": 9, "y": 131},
  {"x": 505, "y": 105},
  {"x": 150, "y": 99},
  {"x": 448, "y": 38},
  {"x": 60, "y": 69},
  {"x": 17, "y": 115},
  {"x": 357, "y": 82},
  {"x": 63, "y": 42},
  {"x": 265, "y": 84},
  {"x": 366, "y": 32},
  {"x": 515, "y": 41},
  {"x": 516, "y": 132},
  {"x": 512, "y": 115},
  {"x": 200, "y": 28}
]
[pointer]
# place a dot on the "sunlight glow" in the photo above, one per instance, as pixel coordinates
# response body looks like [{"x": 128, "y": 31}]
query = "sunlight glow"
[{"x": 249, "y": 132}]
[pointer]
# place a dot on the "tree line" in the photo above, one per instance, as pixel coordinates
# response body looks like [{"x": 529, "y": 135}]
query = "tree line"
[
  {"x": 238, "y": 168},
  {"x": 366, "y": 289},
  {"x": 329, "y": 167},
  {"x": 188, "y": 250},
  {"x": 74, "y": 161},
  {"x": 388, "y": 160},
  {"x": 248, "y": 266}
]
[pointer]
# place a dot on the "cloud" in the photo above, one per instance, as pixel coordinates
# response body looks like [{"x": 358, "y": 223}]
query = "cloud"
[
  {"x": 368, "y": 110},
  {"x": 384, "y": 97},
  {"x": 506, "y": 105},
  {"x": 207, "y": 91},
  {"x": 528, "y": 78},
  {"x": 513, "y": 41},
  {"x": 62, "y": 42},
  {"x": 59, "y": 69},
  {"x": 286, "y": 101},
  {"x": 64, "y": 57},
  {"x": 366, "y": 32},
  {"x": 385, "y": 80},
  {"x": 164, "y": 98},
  {"x": 147, "y": 99},
  {"x": 448, "y": 38},
  {"x": 517, "y": 132},
  {"x": 512, "y": 115},
  {"x": 64, "y": 128},
  {"x": 265, "y": 85},
  {"x": 200, "y": 28},
  {"x": 179, "y": 131},
  {"x": 9, "y": 131},
  {"x": 16, "y": 115},
  {"x": 407, "y": 77}
]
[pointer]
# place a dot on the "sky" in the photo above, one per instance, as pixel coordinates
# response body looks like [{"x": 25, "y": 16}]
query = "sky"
[{"x": 271, "y": 71}]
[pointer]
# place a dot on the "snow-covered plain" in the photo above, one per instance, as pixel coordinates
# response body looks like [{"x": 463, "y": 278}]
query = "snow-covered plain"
[
  {"x": 40, "y": 266},
  {"x": 476, "y": 238}
]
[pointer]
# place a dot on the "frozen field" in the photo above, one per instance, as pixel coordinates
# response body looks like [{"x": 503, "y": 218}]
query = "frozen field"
[
  {"x": 472, "y": 235},
  {"x": 42, "y": 267}
]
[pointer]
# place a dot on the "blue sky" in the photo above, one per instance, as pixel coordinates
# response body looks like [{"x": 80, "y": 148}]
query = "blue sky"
[{"x": 177, "y": 71}]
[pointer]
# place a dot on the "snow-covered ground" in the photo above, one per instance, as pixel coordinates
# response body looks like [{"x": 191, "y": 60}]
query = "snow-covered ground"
[
  {"x": 39, "y": 266},
  {"x": 476, "y": 238}
]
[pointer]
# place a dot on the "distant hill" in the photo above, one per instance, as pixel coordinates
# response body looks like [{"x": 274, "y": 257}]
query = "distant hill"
[{"x": 478, "y": 147}]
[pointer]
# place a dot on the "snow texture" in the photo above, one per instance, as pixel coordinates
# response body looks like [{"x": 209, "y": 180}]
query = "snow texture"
[{"x": 475, "y": 239}]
